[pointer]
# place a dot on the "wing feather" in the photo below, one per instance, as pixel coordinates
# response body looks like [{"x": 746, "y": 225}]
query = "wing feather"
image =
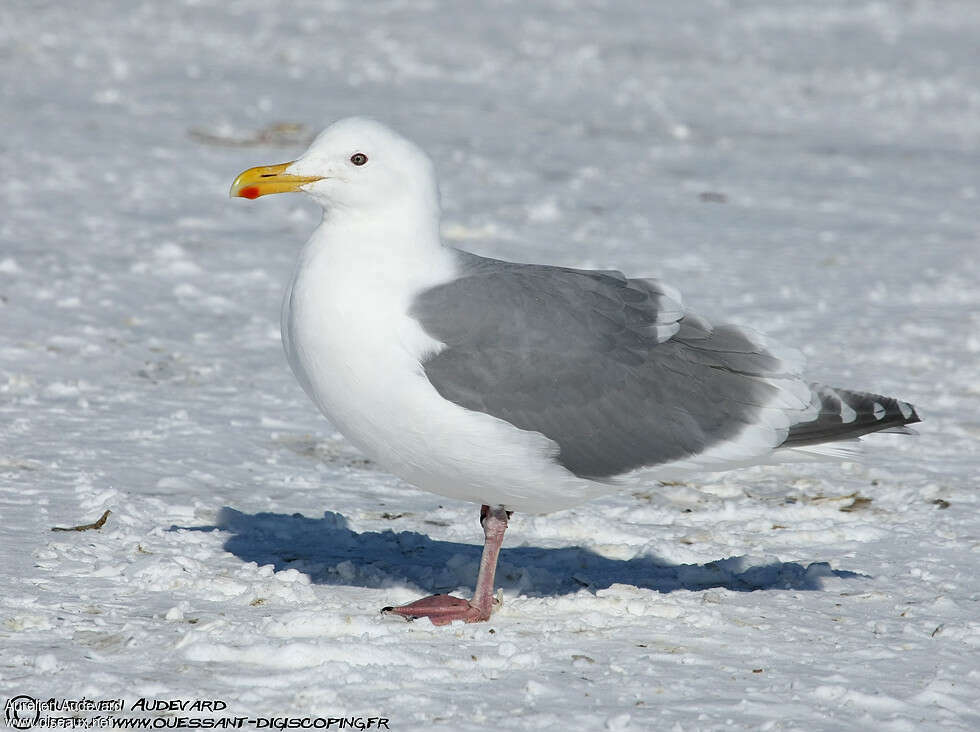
[{"x": 614, "y": 370}]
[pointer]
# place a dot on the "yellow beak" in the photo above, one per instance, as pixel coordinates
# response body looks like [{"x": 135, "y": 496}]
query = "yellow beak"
[{"x": 265, "y": 179}]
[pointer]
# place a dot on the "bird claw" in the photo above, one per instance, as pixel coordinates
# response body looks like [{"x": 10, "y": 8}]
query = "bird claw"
[{"x": 441, "y": 610}]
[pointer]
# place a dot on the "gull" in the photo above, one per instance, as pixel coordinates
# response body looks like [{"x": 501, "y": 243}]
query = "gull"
[{"x": 520, "y": 387}]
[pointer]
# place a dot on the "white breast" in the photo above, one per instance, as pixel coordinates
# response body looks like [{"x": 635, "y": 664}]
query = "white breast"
[{"x": 357, "y": 354}]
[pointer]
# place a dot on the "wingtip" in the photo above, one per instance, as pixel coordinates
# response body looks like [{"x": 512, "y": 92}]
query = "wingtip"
[{"x": 912, "y": 416}]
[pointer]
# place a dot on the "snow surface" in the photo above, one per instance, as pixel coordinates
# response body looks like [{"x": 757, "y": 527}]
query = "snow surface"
[{"x": 810, "y": 169}]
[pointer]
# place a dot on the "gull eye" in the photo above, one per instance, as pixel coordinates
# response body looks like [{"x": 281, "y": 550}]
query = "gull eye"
[{"x": 358, "y": 158}]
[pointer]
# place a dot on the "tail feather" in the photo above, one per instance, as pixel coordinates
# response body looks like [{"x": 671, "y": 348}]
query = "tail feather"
[{"x": 843, "y": 414}]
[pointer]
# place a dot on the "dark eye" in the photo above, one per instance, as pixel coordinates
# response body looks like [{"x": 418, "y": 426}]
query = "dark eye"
[{"x": 358, "y": 158}]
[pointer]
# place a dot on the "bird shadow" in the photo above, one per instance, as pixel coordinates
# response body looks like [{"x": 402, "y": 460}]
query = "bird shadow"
[{"x": 331, "y": 553}]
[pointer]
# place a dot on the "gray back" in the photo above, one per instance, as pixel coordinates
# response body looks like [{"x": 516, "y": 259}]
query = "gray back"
[{"x": 609, "y": 368}]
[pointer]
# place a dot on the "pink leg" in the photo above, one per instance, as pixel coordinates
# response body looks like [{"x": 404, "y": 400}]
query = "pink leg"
[{"x": 443, "y": 609}]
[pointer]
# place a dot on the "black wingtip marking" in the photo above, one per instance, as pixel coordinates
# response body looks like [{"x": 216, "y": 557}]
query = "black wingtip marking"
[{"x": 847, "y": 414}]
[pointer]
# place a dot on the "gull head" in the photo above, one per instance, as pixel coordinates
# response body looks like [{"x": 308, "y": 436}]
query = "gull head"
[{"x": 356, "y": 165}]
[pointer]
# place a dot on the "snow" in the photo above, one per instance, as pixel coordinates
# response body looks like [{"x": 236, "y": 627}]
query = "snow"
[{"x": 809, "y": 169}]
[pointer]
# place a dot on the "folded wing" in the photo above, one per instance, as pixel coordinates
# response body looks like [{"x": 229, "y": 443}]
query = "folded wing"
[{"x": 619, "y": 375}]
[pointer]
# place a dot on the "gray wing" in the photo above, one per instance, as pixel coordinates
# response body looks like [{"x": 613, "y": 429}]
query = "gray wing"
[{"x": 611, "y": 369}]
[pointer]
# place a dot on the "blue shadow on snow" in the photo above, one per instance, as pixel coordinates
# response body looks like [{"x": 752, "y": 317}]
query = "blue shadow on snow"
[{"x": 331, "y": 553}]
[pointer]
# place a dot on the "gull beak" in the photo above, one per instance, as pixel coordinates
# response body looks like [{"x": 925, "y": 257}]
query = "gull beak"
[{"x": 265, "y": 179}]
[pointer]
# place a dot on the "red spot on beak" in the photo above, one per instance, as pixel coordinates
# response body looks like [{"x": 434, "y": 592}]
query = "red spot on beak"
[{"x": 249, "y": 192}]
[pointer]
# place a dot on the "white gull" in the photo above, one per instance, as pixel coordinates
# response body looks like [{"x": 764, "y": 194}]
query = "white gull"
[{"x": 515, "y": 386}]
